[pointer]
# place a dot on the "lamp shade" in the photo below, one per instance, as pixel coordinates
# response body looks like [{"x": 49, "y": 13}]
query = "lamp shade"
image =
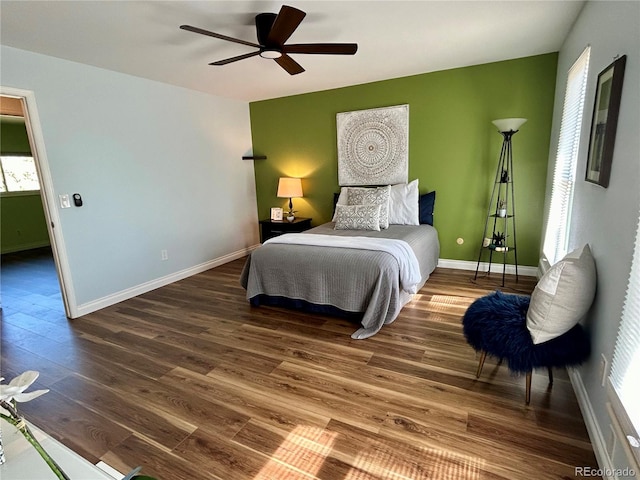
[
  {"x": 509, "y": 124},
  {"x": 289, "y": 187}
]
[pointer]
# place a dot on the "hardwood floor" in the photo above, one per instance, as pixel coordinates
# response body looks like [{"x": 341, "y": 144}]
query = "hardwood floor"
[{"x": 191, "y": 382}]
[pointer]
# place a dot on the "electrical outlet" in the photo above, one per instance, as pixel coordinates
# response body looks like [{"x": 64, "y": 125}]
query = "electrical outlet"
[
  {"x": 164, "y": 255},
  {"x": 603, "y": 370}
]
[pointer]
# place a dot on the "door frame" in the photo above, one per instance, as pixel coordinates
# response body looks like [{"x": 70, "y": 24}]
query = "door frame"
[{"x": 47, "y": 194}]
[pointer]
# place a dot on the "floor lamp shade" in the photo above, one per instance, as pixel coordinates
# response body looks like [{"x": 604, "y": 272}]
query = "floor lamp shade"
[{"x": 509, "y": 124}]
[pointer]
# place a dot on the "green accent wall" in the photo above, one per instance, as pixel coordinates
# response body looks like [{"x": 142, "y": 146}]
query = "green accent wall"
[
  {"x": 13, "y": 136},
  {"x": 453, "y": 146},
  {"x": 22, "y": 222}
]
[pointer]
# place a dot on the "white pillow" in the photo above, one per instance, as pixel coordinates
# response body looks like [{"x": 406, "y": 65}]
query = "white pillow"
[
  {"x": 403, "y": 204},
  {"x": 562, "y": 296},
  {"x": 357, "y": 217},
  {"x": 372, "y": 196}
]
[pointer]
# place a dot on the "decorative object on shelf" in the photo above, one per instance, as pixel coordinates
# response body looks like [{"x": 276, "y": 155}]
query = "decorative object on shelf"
[
  {"x": 503, "y": 217},
  {"x": 605, "y": 122},
  {"x": 373, "y": 146},
  {"x": 290, "y": 188},
  {"x": 9, "y": 396},
  {"x": 502, "y": 208}
]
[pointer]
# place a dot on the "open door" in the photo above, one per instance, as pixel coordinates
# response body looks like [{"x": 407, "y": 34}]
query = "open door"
[{"x": 36, "y": 142}]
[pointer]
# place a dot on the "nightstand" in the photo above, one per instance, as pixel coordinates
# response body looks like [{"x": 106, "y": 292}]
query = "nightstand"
[{"x": 273, "y": 228}]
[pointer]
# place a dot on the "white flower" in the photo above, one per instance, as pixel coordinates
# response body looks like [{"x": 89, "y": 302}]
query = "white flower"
[{"x": 14, "y": 390}]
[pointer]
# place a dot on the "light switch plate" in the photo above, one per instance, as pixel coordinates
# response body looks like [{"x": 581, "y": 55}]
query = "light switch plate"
[{"x": 64, "y": 201}]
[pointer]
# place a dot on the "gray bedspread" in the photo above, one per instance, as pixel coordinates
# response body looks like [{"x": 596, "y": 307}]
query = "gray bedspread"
[{"x": 352, "y": 280}]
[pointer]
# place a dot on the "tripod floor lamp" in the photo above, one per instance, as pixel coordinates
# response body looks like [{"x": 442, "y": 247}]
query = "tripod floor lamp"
[{"x": 499, "y": 236}]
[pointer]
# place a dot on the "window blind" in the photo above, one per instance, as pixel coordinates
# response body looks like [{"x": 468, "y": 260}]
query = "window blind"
[
  {"x": 625, "y": 366},
  {"x": 564, "y": 174}
]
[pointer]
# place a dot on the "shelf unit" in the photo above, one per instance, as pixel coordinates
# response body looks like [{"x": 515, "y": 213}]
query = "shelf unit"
[{"x": 499, "y": 235}]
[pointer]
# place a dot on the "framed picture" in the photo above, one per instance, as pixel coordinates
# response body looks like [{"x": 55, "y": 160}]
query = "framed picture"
[
  {"x": 373, "y": 146},
  {"x": 276, "y": 213},
  {"x": 605, "y": 122}
]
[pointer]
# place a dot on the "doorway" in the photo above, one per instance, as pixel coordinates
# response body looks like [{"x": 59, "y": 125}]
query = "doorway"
[{"x": 37, "y": 267}]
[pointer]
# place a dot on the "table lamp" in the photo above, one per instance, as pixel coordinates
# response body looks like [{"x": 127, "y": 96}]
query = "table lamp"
[{"x": 290, "y": 188}]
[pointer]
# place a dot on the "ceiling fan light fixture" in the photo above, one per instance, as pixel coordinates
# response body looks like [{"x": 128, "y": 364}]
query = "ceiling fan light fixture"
[{"x": 271, "y": 53}]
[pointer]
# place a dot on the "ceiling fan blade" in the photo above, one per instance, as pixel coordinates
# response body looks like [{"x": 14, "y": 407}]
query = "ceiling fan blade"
[
  {"x": 289, "y": 64},
  {"x": 235, "y": 59},
  {"x": 217, "y": 35},
  {"x": 322, "y": 48},
  {"x": 284, "y": 25}
]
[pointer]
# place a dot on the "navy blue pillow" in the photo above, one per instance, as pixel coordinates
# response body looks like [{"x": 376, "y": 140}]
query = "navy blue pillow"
[
  {"x": 336, "y": 196},
  {"x": 426, "y": 204}
]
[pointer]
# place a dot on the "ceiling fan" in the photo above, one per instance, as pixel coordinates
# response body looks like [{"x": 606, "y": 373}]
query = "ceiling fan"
[{"x": 273, "y": 31}]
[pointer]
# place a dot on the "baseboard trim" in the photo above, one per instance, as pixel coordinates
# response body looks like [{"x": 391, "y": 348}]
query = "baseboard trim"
[
  {"x": 593, "y": 429},
  {"x": 496, "y": 268},
  {"x": 122, "y": 295},
  {"x": 26, "y": 246}
]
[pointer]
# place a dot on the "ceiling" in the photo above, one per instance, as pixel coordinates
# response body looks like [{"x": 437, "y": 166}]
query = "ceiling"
[{"x": 395, "y": 38}]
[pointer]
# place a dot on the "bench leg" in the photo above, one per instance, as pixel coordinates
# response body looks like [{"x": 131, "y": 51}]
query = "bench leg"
[
  {"x": 483, "y": 355},
  {"x": 550, "y": 376},
  {"x": 528, "y": 393}
]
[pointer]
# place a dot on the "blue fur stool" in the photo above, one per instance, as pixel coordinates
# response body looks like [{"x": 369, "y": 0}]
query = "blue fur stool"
[{"x": 496, "y": 325}]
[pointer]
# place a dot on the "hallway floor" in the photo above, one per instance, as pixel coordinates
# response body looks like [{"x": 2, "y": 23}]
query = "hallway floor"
[{"x": 29, "y": 288}]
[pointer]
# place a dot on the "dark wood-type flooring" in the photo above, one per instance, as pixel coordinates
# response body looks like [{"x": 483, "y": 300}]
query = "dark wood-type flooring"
[{"x": 191, "y": 382}]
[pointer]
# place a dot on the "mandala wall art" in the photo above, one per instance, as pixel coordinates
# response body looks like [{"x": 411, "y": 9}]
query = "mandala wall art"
[{"x": 373, "y": 146}]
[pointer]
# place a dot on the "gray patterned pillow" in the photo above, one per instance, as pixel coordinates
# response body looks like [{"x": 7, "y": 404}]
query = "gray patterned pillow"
[
  {"x": 372, "y": 196},
  {"x": 357, "y": 217}
]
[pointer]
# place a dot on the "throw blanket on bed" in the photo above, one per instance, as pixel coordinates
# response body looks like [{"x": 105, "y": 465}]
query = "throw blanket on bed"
[{"x": 408, "y": 265}]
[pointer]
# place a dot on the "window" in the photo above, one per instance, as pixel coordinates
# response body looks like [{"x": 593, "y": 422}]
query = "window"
[
  {"x": 625, "y": 367},
  {"x": 564, "y": 175},
  {"x": 18, "y": 174}
]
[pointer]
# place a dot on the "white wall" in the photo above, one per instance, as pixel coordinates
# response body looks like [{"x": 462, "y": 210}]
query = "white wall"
[
  {"x": 606, "y": 218},
  {"x": 158, "y": 166}
]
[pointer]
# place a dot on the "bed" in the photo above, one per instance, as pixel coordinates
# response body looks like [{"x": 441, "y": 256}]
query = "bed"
[{"x": 343, "y": 272}]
